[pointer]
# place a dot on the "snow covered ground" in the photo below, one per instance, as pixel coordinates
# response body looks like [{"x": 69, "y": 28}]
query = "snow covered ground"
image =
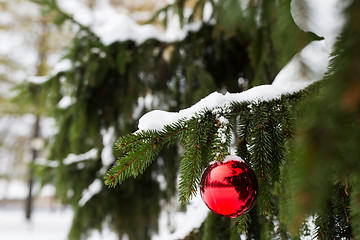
[
  {"x": 45, "y": 225},
  {"x": 54, "y": 224},
  {"x": 50, "y": 220}
]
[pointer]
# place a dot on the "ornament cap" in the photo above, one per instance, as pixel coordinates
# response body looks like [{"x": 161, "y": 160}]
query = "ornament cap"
[
  {"x": 233, "y": 157},
  {"x": 228, "y": 158}
]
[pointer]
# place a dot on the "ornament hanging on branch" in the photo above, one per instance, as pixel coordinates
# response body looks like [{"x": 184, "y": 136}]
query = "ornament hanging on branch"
[{"x": 229, "y": 188}]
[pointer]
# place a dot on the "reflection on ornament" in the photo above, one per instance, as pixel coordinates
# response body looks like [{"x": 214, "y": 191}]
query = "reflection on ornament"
[{"x": 229, "y": 188}]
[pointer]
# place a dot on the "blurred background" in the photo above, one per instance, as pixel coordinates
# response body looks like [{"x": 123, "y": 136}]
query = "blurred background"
[
  {"x": 33, "y": 45},
  {"x": 77, "y": 74}
]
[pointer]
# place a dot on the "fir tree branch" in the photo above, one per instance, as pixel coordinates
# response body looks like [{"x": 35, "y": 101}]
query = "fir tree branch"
[
  {"x": 243, "y": 132},
  {"x": 189, "y": 173},
  {"x": 140, "y": 150},
  {"x": 113, "y": 177},
  {"x": 191, "y": 163},
  {"x": 62, "y": 16},
  {"x": 260, "y": 153},
  {"x": 222, "y": 139},
  {"x": 207, "y": 137},
  {"x": 242, "y": 223},
  {"x": 277, "y": 140},
  {"x": 355, "y": 206}
]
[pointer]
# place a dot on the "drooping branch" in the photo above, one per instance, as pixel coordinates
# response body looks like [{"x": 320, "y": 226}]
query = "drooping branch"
[
  {"x": 206, "y": 136},
  {"x": 140, "y": 150}
]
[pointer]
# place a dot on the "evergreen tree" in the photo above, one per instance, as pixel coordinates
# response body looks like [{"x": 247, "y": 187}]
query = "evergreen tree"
[{"x": 302, "y": 146}]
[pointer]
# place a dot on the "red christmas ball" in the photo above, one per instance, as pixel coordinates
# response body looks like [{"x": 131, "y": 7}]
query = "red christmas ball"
[{"x": 229, "y": 188}]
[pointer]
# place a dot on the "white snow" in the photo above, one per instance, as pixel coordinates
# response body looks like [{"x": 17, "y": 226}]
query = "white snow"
[
  {"x": 107, "y": 20},
  {"x": 94, "y": 188},
  {"x": 305, "y": 68},
  {"x": 18, "y": 190},
  {"x": 157, "y": 119},
  {"x": 143, "y": 103},
  {"x": 112, "y": 25},
  {"x": 78, "y": 9},
  {"x": 176, "y": 224},
  {"x": 44, "y": 225},
  {"x": 62, "y": 66},
  {"x": 15, "y": 189},
  {"x": 65, "y": 102},
  {"x": 325, "y": 18},
  {"x": 208, "y": 10},
  {"x": 37, "y": 79},
  {"x": 74, "y": 158},
  {"x": 107, "y": 156}
]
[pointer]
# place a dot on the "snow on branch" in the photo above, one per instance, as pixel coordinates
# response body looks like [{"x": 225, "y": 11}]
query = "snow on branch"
[
  {"x": 73, "y": 158},
  {"x": 157, "y": 119},
  {"x": 195, "y": 125},
  {"x": 111, "y": 25},
  {"x": 292, "y": 78}
]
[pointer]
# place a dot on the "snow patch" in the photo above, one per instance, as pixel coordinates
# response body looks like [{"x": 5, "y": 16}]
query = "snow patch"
[
  {"x": 43, "y": 226},
  {"x": 37, "y": 79},
  {"x": 107, "y": 156},
  {"x": 14, "y": 189},
  {"x": 157, "y": 119},
  {"x": 305, "y": 68},
  {"x": 73, "y": 158},
  {"x": 325, "y": 18},
  {"x": 62, "y": 66},
  {"x": 94, "y": 188},
  {"x": 112, "y": 25},
  {"x": 78, "y": 9},
  {"x": 65, "y": 102},
  {"x": 176, "y": 225}
]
